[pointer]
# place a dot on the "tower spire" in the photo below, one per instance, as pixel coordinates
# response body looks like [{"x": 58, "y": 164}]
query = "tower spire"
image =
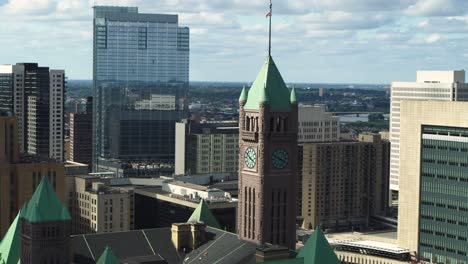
[{"x": 269, "y": 14}]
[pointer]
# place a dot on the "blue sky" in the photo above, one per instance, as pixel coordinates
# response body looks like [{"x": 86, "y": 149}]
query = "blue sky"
[{"x": 333, "y": 41}]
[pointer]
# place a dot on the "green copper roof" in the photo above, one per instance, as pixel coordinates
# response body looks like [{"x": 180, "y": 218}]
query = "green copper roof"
[
  {"x": 11, "y": 243},
  {"x": 293, "y": 98},
  {"x": 317, "y": 250},
  {"x": 203, "y": 214},
  {"x": 270, "y": 88},
  {"x": 108, "y": 257},
  {"x": 243, "y": 96},
  {"x": 44, "y": 205}
]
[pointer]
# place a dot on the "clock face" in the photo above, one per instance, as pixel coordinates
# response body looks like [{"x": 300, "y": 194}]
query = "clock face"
[
  {"x": 250, "y": 158},
  {"x": 280, "y": 158}
]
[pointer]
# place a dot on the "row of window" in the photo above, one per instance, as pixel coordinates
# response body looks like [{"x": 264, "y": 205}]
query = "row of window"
[
  {"x": 442, "y": 234},
  {"x": 443, "y": 220},
  {"x": 459, "y": 252}
]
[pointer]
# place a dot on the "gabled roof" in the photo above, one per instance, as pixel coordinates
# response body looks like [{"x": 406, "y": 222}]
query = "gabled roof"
[
  {"x": 108, "y": 257},
  {"x": 203, "y": 214},
  {"x": 220, "y": 247},
  {"x": 44, "y": 205},
  {"x": 269, "y": 87},
  {"x": 317, "y": 250},
  {"x": 11, "y": 243}
]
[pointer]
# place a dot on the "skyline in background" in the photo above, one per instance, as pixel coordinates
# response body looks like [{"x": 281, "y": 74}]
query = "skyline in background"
[{"x": 338, "y": 41}]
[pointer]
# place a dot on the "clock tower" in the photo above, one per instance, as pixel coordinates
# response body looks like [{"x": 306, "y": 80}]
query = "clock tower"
[{"x": 268, "y": 160}]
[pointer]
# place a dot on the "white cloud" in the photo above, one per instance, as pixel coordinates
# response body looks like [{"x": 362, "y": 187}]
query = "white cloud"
[
  {"x": 340, "y": 20},
  {"x": 438, "y": 8},
  {"x": 309, "y": 35},
  {"x": 433, "y": 38},
  {"x": 28, "y": 7}
]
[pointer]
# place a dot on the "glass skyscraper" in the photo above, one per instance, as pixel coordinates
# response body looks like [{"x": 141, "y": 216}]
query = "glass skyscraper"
[{"x": 141, "y": 79}]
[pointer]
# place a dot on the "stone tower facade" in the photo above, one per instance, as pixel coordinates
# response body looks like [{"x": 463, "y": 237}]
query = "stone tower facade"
[
  {"x": 268, "y": 160},
  {"x": 47, "y": 242},
  {"x": 45, "y": 228}
]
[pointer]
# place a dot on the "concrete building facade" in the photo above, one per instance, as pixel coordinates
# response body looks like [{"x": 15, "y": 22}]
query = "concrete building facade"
[
  {"x": 317, "y": 125},
  {"x": 98, "y": 208},
  {"x": 433, "y": 208},
  {"x": 429, "y": 85},
  {"x": 81, "y": 138},
  {"x": 204, "y": 148},
  {"x": 344, "y": 183}
]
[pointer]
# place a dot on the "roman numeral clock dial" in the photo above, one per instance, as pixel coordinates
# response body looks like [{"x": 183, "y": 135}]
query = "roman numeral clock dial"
[
  {"x": 280, "y": 158},
  {"x": 250, "y": 158}
]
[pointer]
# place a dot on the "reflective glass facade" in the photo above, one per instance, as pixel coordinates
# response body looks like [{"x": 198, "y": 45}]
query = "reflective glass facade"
[
  {"x": 141, "y": 76},
  {"x": 443, "y": 229}
]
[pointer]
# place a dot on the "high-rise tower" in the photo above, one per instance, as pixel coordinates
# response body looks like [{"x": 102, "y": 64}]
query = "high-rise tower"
[
  {"x": 268, "y": 160},
  {"x": 35, "y": 95},
  {"x": 141, "y": 76}
]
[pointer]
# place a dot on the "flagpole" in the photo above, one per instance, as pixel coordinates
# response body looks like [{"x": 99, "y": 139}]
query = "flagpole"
[{"x": 269, "y": 37}]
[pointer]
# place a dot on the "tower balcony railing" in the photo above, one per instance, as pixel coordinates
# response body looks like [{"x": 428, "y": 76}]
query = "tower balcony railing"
[{"x": 249, "y": 135}]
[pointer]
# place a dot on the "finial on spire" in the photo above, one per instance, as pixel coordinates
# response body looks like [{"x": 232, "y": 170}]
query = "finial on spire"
[
  {"x": 293, "y": 97},
  {"x": 243, "y": 96}
]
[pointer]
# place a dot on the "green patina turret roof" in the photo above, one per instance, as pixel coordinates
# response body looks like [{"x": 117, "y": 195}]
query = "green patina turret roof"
[
  {"x": 317, "y": 250},
  {"x": 203, "y": 214},
  {"x": 269, "y": 87},
  {"x": 293, "y": 98},
  {"x": 108, "y": 257},
  {"x": 11, "y": 243},
  {"x": 243, "y": 96},
  {"x": 44, "y": 205}
]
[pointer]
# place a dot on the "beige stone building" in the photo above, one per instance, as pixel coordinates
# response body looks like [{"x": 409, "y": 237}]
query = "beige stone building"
[
  {"x": 203, "y": 148},
  {"x": 429, "y": 85},
  {"x": 21, "y": 174},
  {"x": 433, "y": 207},
  {"x": 343, "y": 184},
  {"x": 97, "y": 208},
  {"x": 317, "y": 125}
]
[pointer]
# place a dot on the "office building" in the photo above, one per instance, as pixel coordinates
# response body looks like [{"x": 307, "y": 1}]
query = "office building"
[
  {"x": 344, "y": 184},
  {"x": 268, "y": 160},
  {"x": 134, "y": 169},
  {"x": 177, "y": 201},
  {"x": 433, "y": 207},
  {"x": 317, "y": 125},
  {"x": 429, "y": 85},
  {"x": 21, "y": 174},
  {"x": 203, "y": 148},
  {"x": 97, "y": 207},
  {"x": 141, "y": 76},
  {"x": 81, "y": 137},
  {"x": 36, "y": 96}
]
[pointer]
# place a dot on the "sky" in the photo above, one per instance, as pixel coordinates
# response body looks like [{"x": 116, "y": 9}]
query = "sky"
[{"x": 314, "y": 41}]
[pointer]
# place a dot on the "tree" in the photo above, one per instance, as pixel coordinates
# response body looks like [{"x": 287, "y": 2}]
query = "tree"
[{"x": 376, "y": 117}]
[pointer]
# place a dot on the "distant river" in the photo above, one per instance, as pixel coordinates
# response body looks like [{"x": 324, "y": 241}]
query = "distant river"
[{"x": 353, "y": 118}]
